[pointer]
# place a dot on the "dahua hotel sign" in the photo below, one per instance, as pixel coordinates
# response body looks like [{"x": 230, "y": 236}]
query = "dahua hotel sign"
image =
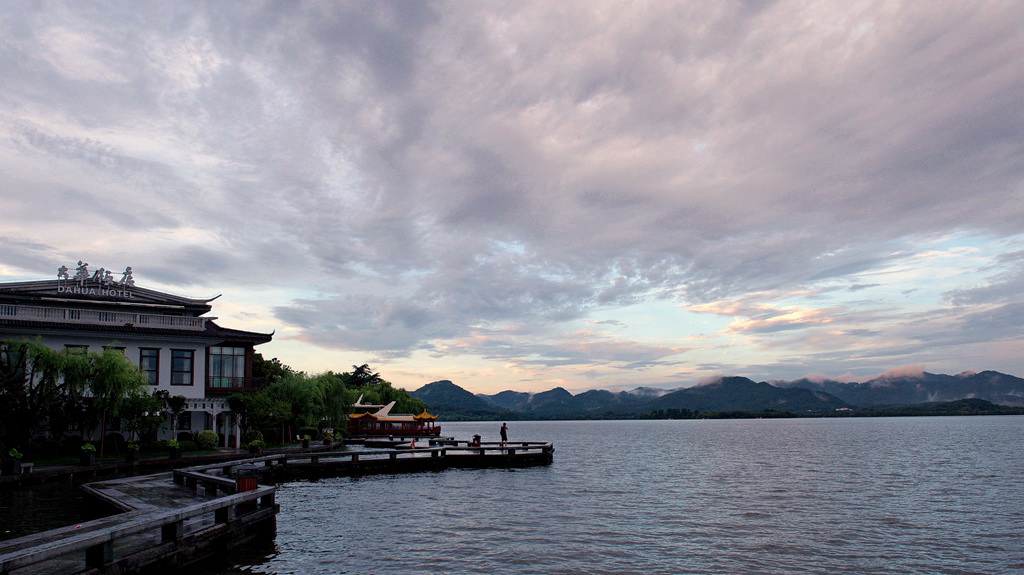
[{"x": 98, "y": 283}]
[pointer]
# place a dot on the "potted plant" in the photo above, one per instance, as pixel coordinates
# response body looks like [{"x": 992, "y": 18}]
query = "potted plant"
[
  {"x": 328, "y": 438},
  {"x": 88, "y": 454},
  {"x": 12, "y": 465},
  {"x": 174, "y": 449},
  {"x": 132, "y": 454},
  {"x": 305, "y": 441},
  {"x": 256, "y": 446}
]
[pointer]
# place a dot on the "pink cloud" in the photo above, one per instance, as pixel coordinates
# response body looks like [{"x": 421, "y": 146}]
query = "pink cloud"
[
  {"x": 708, "y": 380},
  {"x": 903, "y": 371}
]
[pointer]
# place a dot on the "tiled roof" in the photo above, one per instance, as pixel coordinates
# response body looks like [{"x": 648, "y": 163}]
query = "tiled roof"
[{"x": 212, "y": 331}]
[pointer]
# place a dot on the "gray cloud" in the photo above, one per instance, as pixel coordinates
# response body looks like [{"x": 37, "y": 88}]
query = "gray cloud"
[
  {"x": 532, "y": 162},
  {"x": 1005, "y": 286}
]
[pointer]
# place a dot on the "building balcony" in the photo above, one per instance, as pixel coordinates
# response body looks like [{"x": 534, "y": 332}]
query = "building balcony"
[
  {"x": 219, "y": 385},
  {"x": 94, "y": 317}
]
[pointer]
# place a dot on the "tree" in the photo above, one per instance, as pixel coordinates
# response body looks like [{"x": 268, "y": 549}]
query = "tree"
[
  {"x": 259, "y": 410},
  {"x": 361, "y": 376},
  {"x": 324, "y": 400},
  {"x": 44, "y": 390},
  {"x": 337, "y": 399},
  {"x": 271, "y": 370},
  {"x": 30, "y": 390},
  {"x": 304, "y": 397},
  {"x": 113, "y": 378},
  {"x": 141, "y": 413},
  {"x": 175, "y": 404}
]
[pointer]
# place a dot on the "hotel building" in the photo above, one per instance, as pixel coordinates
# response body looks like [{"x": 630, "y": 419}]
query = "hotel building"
[{"x": 178, "y": 348}]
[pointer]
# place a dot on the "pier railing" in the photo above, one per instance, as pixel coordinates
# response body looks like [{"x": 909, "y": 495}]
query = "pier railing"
[
  {"x": 96, "y": 540},
  {"x": 510, "y": 448},
  {"x": 213, "y": 477}
]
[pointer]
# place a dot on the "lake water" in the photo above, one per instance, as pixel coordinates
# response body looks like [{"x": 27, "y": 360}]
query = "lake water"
[{"x": 885, "y": 495}]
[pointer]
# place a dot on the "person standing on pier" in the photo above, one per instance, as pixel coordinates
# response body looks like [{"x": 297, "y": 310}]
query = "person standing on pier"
[{"x": 504, "y": 434}]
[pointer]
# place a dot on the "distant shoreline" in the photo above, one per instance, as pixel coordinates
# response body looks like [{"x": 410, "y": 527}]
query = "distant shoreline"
[{"x": 960, "y": 407}]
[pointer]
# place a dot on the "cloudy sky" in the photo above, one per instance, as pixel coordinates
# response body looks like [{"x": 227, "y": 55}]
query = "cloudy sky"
[{"x": 521, "y": 195}]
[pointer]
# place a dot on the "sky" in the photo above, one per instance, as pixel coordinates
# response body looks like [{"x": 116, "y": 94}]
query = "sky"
[{"x": 524, "y": 195}]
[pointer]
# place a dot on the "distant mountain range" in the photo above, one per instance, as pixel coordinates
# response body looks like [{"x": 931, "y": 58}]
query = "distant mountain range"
[{"x": 729, "y": 394}]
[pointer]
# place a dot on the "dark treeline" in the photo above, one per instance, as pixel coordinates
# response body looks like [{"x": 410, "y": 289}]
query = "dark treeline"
[{"x": 293, "y": 403}]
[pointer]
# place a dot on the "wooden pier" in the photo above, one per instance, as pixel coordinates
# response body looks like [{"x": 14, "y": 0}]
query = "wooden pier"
[
  {"x": 176, "y": 518},
  {"x": 133, "y": 541}
]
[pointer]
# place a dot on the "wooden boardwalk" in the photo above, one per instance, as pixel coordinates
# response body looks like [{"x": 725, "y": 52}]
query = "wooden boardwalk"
[{"x": 174, "y": 518}]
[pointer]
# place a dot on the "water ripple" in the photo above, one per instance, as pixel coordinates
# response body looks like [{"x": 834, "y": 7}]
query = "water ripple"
[{"x": 865, "y": 496}]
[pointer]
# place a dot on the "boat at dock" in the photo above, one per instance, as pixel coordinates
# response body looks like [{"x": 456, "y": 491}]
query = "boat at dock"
[{"x": 376, "y": 421}]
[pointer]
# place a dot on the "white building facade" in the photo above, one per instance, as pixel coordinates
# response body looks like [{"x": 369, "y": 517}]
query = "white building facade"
[{"x": 178, "y": 348}]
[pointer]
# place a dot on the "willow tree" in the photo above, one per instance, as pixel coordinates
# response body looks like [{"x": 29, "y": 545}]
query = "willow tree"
[
  {"x": 30, "y": 388},
  {"x": 337, "y": 399},
  {"x": 304, "y": 397},
  {"x": 112, "y": 379}
]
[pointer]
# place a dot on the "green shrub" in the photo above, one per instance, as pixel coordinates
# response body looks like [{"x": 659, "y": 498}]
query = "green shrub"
[
  {"x": 188, "y": 445},
  {"x": 207, "y": 439},
  {"x": 252, "y": 435},
  {"x": 257, "y": 444},
  {"x": 89, "y": 447},
  {"x": 310, "y": 431}
]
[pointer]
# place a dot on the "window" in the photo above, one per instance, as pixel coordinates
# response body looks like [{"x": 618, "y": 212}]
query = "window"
[
  {"x": 227, "y": 366},
  {"x": 82, "y": 349},
  {"x": 149, "y": 363},
  {"x": 115, "y": 348},
  {"x": 185, "y": 421},
  {"x": 182, "y": 361}
]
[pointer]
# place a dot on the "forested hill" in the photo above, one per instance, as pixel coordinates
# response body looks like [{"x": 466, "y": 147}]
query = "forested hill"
[
  {"x": 731, "y": 394},
  {"x": 999, "y": 388}
]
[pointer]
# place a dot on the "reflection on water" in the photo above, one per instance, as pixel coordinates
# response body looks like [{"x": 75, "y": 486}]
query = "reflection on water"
[{"x": 45, "y": 506}]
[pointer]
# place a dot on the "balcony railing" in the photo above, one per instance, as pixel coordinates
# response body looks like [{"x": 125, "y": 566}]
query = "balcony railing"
[
  {"x": 218, "y": 385},
  {"x": 93, "y": 317}
]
